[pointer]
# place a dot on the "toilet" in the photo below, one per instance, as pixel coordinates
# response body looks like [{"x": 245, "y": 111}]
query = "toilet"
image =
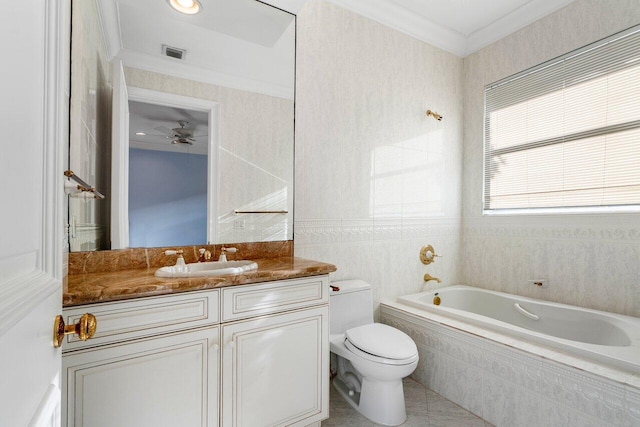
[{"x": 369, "y": 359}]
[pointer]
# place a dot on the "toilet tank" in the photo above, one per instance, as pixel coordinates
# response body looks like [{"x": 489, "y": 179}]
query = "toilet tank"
[{"x": 351, "y": 306}]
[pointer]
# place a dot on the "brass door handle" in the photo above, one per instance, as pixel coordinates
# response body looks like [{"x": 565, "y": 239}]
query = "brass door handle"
[{"x": 85, "y": 328}]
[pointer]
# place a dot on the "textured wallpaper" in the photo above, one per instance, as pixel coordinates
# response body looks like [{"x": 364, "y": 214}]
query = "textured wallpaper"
[
  {"x": 375, "y": 178},
  {"x": 589, "y": 260}
]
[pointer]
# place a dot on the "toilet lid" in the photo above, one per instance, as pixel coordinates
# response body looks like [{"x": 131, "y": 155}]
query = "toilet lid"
[{"x": 382, "y": 341}]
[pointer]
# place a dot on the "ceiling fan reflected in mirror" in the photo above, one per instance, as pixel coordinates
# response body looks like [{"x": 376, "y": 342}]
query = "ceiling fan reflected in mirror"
[{"x": 179, "y": 135}]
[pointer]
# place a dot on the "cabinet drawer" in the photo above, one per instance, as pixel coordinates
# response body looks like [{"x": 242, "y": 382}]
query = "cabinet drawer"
[
  {"x": 119, "y": 321},
  {"x": 240, "y": 302}
]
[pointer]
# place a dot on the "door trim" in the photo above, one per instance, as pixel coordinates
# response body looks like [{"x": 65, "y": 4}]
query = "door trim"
[{"x": 212, "y": 108}]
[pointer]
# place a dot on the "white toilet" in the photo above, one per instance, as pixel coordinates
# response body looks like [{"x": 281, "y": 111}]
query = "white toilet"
[{"x": 369, "y": 359}]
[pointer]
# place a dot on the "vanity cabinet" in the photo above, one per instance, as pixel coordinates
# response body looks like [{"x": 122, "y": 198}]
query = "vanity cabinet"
[
  {"x": 275, "y": 369},
  {"x": 248, "y": 355},
  {"x": 170, "y": 380}
]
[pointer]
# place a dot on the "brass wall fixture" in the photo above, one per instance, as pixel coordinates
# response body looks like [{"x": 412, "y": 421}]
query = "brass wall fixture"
[
  {"x": 428, "y": 255},
  {"x": 82, "y": 185},
  {"x": 238, "y": 212},
  {"x": 436, "y": 299},
  {"x": 428, "y": 278},
  {"x": 85, "y": 328},
  {"x": 435, "y": 115}
]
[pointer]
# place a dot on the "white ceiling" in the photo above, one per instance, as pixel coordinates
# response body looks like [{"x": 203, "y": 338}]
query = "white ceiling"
[
  {"x": 457, "y": 26},
  {"x": 247, "y": 20},
  {"x": 241, "y": 44},
  {"x": 157, "y": 121}
]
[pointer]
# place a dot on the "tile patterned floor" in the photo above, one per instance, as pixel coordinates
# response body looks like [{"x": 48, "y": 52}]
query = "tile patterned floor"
[{"x": 425, "y": 408}]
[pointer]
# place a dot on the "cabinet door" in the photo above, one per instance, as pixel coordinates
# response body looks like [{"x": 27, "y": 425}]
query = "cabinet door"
[
  {"x": 276, "y": 370},
  {"x": 165, "y": 381}
]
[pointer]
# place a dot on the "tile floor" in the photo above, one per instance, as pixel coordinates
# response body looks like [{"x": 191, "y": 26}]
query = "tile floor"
[{"x": 425, "y": 408}]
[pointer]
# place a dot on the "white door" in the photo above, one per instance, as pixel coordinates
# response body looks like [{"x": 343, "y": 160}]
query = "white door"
[{"x": 33, "y": 108}]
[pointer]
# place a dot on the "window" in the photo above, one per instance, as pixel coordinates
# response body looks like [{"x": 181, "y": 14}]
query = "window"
[{"x": 566, "y": 134}]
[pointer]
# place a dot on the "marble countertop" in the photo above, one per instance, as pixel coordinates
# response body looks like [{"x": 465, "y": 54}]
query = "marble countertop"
[{"x": 93, "y": 288}]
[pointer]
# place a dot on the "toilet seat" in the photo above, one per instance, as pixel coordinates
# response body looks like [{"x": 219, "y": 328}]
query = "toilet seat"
[{"x": 382, "y": 344}]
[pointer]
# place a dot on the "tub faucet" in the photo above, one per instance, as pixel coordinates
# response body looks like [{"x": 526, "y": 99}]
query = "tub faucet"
[{"x": 428, "y": 277}]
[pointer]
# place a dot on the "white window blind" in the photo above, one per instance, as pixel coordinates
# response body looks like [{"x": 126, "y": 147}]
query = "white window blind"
[{"x": 567, "y": 132}]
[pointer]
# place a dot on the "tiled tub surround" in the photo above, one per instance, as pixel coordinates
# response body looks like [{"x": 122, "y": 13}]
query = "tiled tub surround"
[
  {"x": 590, "y": 260},
  {"x": 512, "y": 382},
  {"x": 607, "y": 338},
  {"x": 382, "y": 253}
]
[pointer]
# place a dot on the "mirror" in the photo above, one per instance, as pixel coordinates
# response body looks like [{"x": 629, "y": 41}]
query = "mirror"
[{"x": 184, "y": 123}]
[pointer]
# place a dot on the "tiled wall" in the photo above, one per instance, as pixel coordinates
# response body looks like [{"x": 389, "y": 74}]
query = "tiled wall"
[
  {"x": 90, "y": 129},
  {"x": 375, "y": 178},
  {"x": 590, "y": 260},
  {"x": 510, "y": 387}
]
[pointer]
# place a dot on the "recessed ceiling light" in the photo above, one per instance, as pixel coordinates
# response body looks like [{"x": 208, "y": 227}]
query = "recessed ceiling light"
[
  {"x": 190, "y": 7},
  {"x": 140, "y": 133}
]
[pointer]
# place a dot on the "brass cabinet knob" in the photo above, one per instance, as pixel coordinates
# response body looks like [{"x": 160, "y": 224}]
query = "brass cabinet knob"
[{"x": 85, "y": 328}]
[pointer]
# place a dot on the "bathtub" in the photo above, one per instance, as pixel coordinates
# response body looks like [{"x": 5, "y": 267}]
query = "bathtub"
[{"x": 607, "y": 338}]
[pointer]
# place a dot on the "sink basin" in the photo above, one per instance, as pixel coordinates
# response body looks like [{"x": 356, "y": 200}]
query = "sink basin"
[{"x": 203, "y": 269}]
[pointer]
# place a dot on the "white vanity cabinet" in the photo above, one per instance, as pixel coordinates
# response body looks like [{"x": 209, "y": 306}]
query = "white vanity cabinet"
[
  {"x": 275, "y": 367},
  {"x": 171, "y": 380},
  {"x": 249, "y": 355}
]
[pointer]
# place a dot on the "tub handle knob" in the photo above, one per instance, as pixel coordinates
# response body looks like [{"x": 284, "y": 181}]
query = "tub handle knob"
[
  {"x": 428, "y": 255},
  {"x": 524, "y": 312}
]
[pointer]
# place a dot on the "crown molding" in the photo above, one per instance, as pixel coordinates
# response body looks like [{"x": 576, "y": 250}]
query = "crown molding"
[
  {"x": 444, "y": 37},
  {"x": 512, "y": 22},
  {"x": 407, "y": 22}
]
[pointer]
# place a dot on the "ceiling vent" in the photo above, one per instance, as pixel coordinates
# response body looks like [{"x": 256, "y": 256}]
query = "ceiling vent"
[{"x": 173, "y": 52}]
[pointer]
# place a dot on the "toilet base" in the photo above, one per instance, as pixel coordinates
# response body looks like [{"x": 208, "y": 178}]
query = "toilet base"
[{"x": 380, "y": 401}]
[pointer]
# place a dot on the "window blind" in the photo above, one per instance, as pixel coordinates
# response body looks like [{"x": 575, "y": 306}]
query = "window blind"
[{"x": 566, "y": 133}]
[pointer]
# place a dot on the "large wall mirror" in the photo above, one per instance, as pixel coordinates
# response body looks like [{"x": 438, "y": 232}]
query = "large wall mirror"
[{"x": 185, "y": 122}]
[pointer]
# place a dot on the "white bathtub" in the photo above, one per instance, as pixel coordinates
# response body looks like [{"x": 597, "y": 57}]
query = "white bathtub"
[{"x": 608, "y": 338}]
